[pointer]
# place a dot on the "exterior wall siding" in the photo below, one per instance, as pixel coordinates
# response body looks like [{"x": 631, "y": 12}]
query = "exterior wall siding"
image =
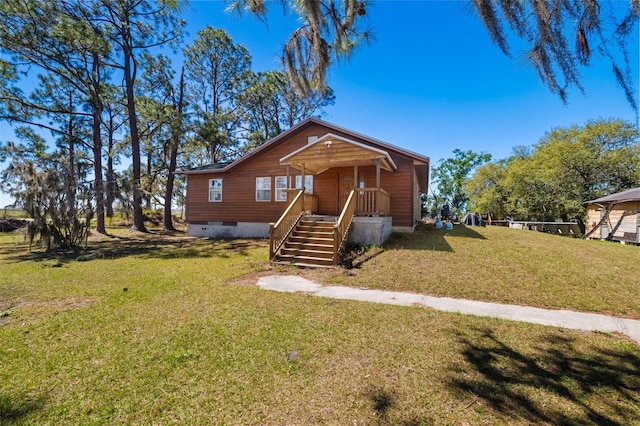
[
  {"x": 417, "y": 201},
  {"x": 626, "y": 216},
  {"x": 398, "y": 184},
  {"x": 593, "y": 217},
  {"x": 239, "y": 188},
  {"x": 239, "y": 203}
]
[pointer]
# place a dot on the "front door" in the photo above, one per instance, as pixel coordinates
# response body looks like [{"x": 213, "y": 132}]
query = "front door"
[{"x": 345, "y": 186}]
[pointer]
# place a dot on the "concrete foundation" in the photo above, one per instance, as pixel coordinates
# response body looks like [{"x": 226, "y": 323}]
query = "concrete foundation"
[
  {"x": 403, "y": 229},
  {"x": 364, "y": 230},
  {"x": 229, "y": 230},
  {"x": 370, "y": 230}
]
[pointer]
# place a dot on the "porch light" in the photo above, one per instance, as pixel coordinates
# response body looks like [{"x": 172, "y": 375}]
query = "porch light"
[{"x": 328, "y": 144}]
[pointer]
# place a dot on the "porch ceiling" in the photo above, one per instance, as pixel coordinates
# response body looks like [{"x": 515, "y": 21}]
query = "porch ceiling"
[{"x": 331, "y": 151}]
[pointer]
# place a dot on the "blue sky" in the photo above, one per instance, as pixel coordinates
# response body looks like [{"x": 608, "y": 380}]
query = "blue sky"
[{"x": 431, "y": 81}]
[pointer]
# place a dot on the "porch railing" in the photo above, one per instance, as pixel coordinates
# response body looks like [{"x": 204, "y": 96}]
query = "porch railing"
[
  {"x": 310, "y": 200},
  {"x": 343, "y": 224},
  {"x": 373, "y": 201},
  {"x": 279, "y": 231}
]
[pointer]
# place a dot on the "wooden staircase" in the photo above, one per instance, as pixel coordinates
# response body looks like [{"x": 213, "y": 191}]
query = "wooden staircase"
[{"x": 310, "y": 244}]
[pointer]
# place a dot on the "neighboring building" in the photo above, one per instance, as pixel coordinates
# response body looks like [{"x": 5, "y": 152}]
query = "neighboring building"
[
  {"x": 615, "y": 217},
  {"x": 242, "y": 198}
]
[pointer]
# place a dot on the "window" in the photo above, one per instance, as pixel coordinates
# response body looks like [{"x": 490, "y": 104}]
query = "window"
[
  {"x": 308, "y": 183},
  {"x": 215, "y": 190},
  {"x": 281, "y": 188},
  {"x": 263, "y": 189}
]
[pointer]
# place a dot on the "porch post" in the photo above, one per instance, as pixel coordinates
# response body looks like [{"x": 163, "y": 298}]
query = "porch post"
[
  {"x": 378, "y": 173},
  {"x": 302, "y": 178},
  {"x": 356, "y": 182},
  {"x": 288, "y": 178}
]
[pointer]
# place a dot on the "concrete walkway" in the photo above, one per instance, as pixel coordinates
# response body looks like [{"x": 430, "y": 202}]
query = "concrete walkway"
[{"x": 557, "y": 318}]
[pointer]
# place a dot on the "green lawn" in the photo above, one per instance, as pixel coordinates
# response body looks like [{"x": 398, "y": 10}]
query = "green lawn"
[
  {"x": 165, "y": 330},
  {"x": 506, "y": 265}
]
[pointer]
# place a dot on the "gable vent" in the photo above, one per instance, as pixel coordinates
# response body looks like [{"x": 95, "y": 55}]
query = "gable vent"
[{"x": 311, "y": 139}]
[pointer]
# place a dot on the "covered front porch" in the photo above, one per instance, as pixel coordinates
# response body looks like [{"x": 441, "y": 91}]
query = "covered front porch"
[
  {"x": 342, "y": 165},
  {"x": 343, "y": 169}
]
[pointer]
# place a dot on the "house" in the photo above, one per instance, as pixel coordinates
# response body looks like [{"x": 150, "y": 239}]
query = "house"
[
  {"x": 310, "y": 190},
  {"x": 615, "y": 217}
]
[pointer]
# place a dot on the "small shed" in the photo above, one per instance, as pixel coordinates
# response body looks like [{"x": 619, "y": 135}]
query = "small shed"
[{"x": 615, "y": 217}]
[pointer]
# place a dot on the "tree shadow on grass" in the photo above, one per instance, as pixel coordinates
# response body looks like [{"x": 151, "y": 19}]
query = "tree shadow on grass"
[
  {"x": 427, "y": 237},
  {"x": 381, "y": 401},
  {"x": 12, "y": 412},
  {"x": 563, "y": 381},
  {"x": 152, "y": 246}
]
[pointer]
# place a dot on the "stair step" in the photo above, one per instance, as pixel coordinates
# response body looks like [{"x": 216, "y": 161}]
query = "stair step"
[
  {"x": 306, "y": 252},
  {"x": 320, "y": 238},
  {"x": 297, "y": 239},
  {"x": 301, "y": 230},
  {"x": 308, "y": 245},
  {"x": 315, "y": 229},
  {"x": 317, "y": 224},
  {"x": 304, "y": 265},
  {"x": 311, "y": 244},
  {"x": 308, "y": 260}
]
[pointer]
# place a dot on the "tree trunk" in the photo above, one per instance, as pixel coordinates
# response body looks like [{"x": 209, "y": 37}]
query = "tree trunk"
[
  {"x": 110, "y": 184},
  {"x": 168, "y": 195},
  {"x": 97, "y": 105},
  {"x": 111, "y": 176},
  {"x": 149, "y": 182},
  {"x": 173, "y": 157},
  {"x": 129, "y": 76},
  {"x": 71, "y": 175}
]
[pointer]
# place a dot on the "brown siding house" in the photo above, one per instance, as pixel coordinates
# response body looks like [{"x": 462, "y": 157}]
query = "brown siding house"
[
  {"x": 615, "y": 217},
  {"x": 241, "y": 198}
]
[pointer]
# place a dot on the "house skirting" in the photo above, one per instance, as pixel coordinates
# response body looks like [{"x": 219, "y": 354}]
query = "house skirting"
[
  {"x": 364, "y": 230},
  {"x": 229, "y": 230},
  {"x": 403, "y": 228}
]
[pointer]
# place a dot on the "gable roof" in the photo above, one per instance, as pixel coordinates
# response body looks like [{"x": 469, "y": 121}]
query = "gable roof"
[
  {"x": 422, "y": 162},
  {"x": 335, "y": 151},
  {"x": 208, "y": 167},
  {"x": 632, "y": 194}
]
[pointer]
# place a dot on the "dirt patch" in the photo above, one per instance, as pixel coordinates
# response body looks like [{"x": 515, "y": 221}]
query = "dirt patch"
[
  {"x": 320, "y": 275},
  {"x": 250, "y": 280},
  {"x": 66, "y": 304},
  {"x": 73, "y": 303},
  {"x": 30, "y": 310}
]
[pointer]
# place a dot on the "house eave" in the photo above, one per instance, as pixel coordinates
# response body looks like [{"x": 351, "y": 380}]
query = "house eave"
[{"x": 331, "y": 151}]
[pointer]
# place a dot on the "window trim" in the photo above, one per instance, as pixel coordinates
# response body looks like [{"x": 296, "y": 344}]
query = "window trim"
[
  {"x": 263, "y": 179},
  {"x": 213, "y": 200},
  {"x": 281, "y": 190},
  {"x": 298, "y": 181}
]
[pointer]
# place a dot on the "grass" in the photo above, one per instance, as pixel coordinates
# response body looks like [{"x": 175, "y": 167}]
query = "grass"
[
  {"x": 505, "y": 265},
  {"x": 162, "y": 330}
]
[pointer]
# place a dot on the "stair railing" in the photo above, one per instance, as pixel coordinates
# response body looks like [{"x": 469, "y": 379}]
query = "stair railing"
[
  {"x": 279, "y": 231},
  {"x": 341, "y": 228}
]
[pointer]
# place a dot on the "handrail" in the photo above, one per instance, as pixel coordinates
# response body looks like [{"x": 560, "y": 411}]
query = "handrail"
[
  {"x": 279, "y": 231},
  {"x": 341, "y": 228}
]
